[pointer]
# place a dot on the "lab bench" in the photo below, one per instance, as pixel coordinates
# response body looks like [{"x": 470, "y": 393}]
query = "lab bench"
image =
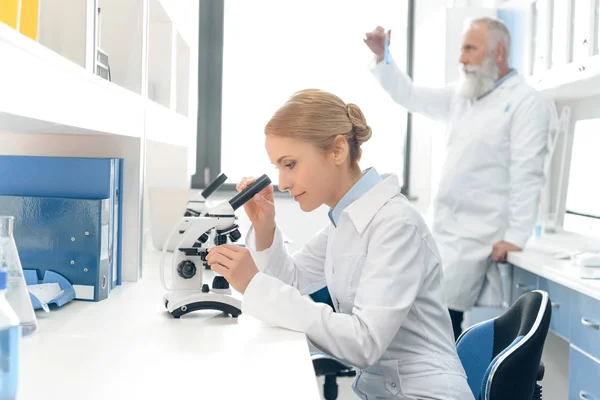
[
  {"x": 575, "y": 303},
  {"x": 128, "y": 347}
]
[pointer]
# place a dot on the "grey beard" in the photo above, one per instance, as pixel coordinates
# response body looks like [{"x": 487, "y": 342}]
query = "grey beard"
[{"x": 475, "y": 84}]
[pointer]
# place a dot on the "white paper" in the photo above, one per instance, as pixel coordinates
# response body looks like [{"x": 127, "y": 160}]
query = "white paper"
[{"x": 45, "y": 292}]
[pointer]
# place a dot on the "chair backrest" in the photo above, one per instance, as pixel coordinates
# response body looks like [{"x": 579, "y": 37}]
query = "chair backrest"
[
  {"x": 322, "y": 296},
  {"x": 501, "y": 356}
]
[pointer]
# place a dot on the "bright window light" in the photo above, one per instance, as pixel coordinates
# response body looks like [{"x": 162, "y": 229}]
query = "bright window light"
[
  {"x": 273, "y": 48},
  {"x": 583, "y": 194}
]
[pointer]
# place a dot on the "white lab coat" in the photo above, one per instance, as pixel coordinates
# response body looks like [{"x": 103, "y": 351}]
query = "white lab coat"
[
  {"x": 383, "y": 272},
  {"x": 492, "y": 177}
]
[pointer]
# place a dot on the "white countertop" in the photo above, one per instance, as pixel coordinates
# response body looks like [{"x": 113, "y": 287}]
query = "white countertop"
[
  {"x": 129, "y": 347},
  {"x": 538, "y": 257}
]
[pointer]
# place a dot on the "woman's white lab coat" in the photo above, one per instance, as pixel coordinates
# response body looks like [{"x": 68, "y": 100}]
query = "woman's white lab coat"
[
  {"x": 383, "y": 272},
  {"x": 492, "y": 177}
]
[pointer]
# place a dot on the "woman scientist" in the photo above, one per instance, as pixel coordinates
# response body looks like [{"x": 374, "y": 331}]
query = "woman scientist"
[{"x": 376, "y": 255}]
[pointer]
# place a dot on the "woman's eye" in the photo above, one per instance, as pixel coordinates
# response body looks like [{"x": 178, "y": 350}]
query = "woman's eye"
[{"x": 291, "y": 165}]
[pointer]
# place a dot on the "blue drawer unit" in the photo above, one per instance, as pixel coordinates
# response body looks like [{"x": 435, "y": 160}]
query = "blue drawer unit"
[
  {"x": 584, "y": 376},
  {"x": 560, "y": 299},
  {"x": 71, "y": 178},
  {"x": 66, "y": 236},
  {"x": 523, "y": 282},
  {"x": 585, "y": 324}
]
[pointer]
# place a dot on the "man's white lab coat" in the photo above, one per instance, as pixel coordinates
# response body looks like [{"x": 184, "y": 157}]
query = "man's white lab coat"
[{"x": 493, "y": 173}]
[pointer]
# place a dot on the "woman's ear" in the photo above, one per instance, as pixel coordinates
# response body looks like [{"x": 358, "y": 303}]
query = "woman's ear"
[{"x": 340, "y": 150}]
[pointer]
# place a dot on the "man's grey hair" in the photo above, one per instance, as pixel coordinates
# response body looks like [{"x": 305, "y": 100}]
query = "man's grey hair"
[{"x": 498, "y": 32}]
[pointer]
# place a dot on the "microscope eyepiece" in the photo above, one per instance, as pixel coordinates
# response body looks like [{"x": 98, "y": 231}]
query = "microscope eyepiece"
[
  {"x": 214, "y": 185},
  {"x": 242, "y": 197}
]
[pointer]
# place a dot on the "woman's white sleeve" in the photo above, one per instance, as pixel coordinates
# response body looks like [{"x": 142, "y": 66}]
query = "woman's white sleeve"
[{"x": 300, "y": 270}]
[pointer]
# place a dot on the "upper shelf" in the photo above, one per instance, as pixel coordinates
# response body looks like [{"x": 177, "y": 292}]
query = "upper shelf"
[
  {"x": 571, "y": 81},
  {"x": 44, "y": 92}
]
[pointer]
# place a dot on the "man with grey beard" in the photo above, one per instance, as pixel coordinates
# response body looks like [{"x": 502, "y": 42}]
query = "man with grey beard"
[{"x": 497, "y": 141}]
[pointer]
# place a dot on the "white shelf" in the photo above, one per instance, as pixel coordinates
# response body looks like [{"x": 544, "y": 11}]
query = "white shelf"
[
  {"x": 166, "y": 126},
  {"x": 53, "y": 103},
  {"x": 43, "y": 92},
  {"x": 160, "y": 54},
  {"x": 182, "y": 76},
  {"x": 570, "y": 82}
]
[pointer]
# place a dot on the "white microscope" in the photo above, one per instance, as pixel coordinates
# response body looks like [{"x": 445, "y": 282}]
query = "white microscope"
[
  {"x": 217, "y": 226},
  {"x": 198, "y": 207},
  {"x": 195, "y": 207}
]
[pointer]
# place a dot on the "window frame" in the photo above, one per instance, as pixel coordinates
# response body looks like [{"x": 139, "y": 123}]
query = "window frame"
[{"x": 210, "y": 78}]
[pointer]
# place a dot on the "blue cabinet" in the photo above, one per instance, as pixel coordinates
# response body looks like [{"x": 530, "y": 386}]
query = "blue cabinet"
[
  {"x": 584, "y": 376},
  {"x": 523, "y": 282},
  {"x": 560, "y": 298},
  {"x": 585, "y": 324},
  {"x": 576, "y": 318}
]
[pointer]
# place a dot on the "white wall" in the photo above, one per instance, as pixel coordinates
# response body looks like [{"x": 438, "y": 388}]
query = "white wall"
[{"x": 166, "y": 167}]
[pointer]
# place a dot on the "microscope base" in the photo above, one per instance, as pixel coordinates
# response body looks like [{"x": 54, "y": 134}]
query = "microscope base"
[{"x": 181, "y": 302}]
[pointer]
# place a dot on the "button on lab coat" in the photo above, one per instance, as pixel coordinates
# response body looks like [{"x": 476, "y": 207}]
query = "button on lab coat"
[
  {"x": 383, "y": 272},
  {"x": 492, "y": 177}
]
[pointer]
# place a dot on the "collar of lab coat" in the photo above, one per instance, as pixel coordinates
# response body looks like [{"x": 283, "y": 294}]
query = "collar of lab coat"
[
  {"x": 508, "y": 81},
  {"x": 369, "y": 179},
  {"x": 362, "y": 211}
]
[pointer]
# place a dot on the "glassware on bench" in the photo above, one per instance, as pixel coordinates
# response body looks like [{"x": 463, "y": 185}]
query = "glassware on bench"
[{"x": 16, "y": 288}]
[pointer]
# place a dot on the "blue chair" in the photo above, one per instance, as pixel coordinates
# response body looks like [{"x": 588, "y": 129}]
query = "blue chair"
[
  {"x": 324, "y": 364},
  {"x": 502, "y": 356}
]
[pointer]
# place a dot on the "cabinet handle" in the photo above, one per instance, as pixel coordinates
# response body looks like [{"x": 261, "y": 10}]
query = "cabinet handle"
[
  {"x": 590, "y": 324},
  {"x": 523, "y": 286},
  {"x": 583, "y": 395},
  {"x": 554, "y": 305}
]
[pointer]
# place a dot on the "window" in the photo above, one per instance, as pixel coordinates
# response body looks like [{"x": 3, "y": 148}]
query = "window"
[
  {"x": 560, "y": 33},
  {"x": 581, "y": 29},
  {"x": 273, "y": 48},
  {"x": 583, "y": 194},
  {"x": 541, "y": 36}
]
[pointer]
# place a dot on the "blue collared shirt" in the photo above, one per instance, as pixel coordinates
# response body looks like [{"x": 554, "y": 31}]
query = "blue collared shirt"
[{"x": 369, "y": 179}]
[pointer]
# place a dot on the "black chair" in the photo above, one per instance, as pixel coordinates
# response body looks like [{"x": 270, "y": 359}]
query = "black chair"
[
  {"x": 502, "y": 356},
  {"x": 324, "y": 364}
]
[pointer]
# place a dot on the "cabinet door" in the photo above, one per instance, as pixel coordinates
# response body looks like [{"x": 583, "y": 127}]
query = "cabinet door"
[
  {"x": 583, "y": 376},
  {"x": 559, "y": 297},
  {"x": 585, "y": 323},
  {"x": 523, "y": 282}
]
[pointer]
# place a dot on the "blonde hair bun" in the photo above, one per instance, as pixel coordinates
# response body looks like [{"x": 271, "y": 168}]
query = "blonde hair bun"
[
  {"x": 320, "y": 117},
  {"x": 362, "y": 131}
]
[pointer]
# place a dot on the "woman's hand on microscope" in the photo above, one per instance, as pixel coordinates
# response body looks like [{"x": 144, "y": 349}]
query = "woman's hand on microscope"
[
  {"x": 235, "y": 263},
  {"x": 261, "y": 212}
]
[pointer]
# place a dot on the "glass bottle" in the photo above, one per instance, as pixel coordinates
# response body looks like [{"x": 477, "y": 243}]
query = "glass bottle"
[
  {"x": 10, "y": 338},
  {"x": 16, "y": 288}
]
